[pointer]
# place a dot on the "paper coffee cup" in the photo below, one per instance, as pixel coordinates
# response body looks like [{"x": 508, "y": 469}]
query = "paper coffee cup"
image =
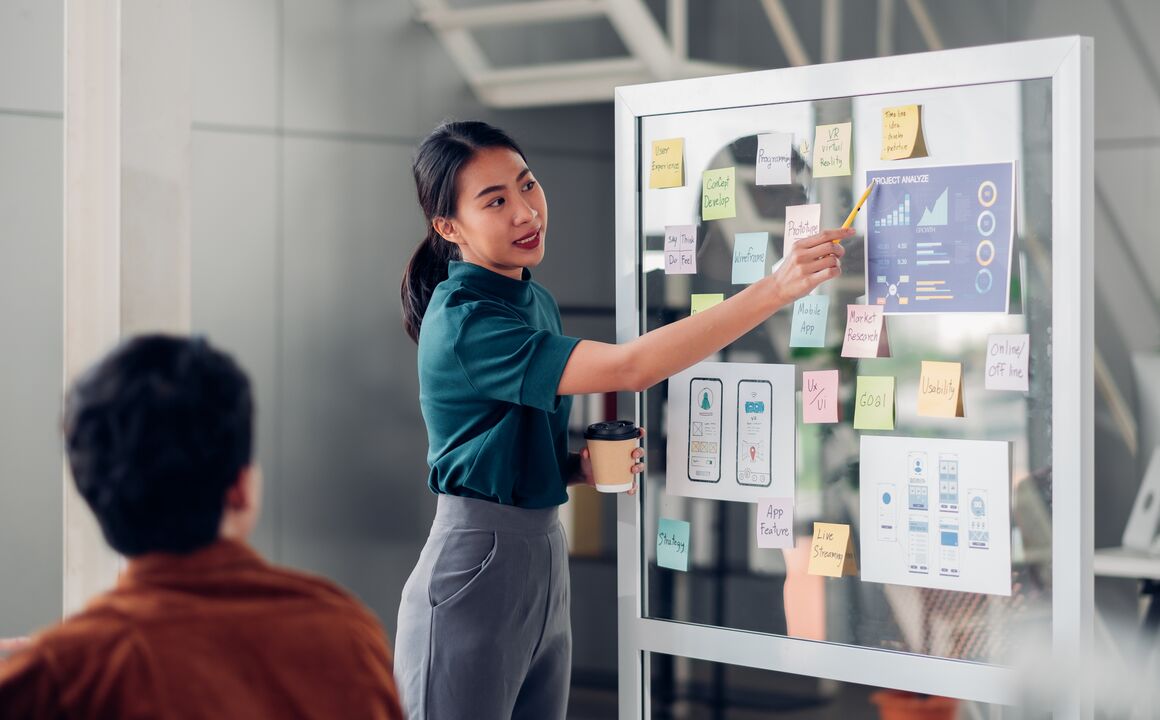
[{"x": 610, "y": 446}]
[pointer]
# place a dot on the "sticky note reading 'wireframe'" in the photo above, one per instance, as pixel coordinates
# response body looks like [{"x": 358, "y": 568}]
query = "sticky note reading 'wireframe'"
[
  {"x": 832, "y": 150},
  {"x": 874, "y": 403},
  {"x": 717, "y": 188},
  {"x": 808, "y": 326},
  {"x": 749, "y": 250},
  {"x": 902, "y": 133},
  {"x": 667, "y": 169},
  {"x": 820, "y": 396},
  {"x": 673, "y": 544}
]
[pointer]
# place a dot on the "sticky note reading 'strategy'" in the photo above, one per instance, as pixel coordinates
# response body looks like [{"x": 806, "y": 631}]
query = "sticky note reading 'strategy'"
[
  {"x": 773, "y": 158},
  {"x": 902, "y": 133},
  {"x": 704, "y": 301},
  {"x": 865, "y": 332},
  {"x": 940, "y": 389},
  {"x": 832, "y": 551},
  {"x": 1007, "y": 362},
  {"x": 680, "y": 249},
  {"x": 801, "y": 221},
  {"x": 874, "y": 403},
  {"x": 808, "y": 326},
  {"x": 673, "y": 544},
  {"x": 749, "y": 250},
  {"x": 717, "y": 187},
  {"x": 820, "y": 396},
  {"x": 832, "y": 150},
  {"x": 667, "y": 169},
  {"x": 774, "y": 525}
]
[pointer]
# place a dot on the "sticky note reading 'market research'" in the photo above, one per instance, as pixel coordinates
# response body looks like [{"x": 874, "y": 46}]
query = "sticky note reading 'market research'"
[
  {"x": 774, "y": 525},
  {"x": 808, "y": 326},
  {"x": 705, "y": 301},
  {"x": 717, "y": 187},
  {"x": 673, "y": 544},
  {"x": 1007, "y": 357},
  {"x": 832, "y": 150},
  {"x": 865, "y": 332},
  {"x": 773, "y": 158},
  {"x": 667, "y": 169},
  {"x": 801, "y": 221},
  {"x": 749, "y": 250},
  {"x": 902, "y": 133},
  {"x": 940, "y": 389},
  {"x": 832, "y": 551},
  {"x": 820, "y": 396},
  {"x": 874, "y": 403}
]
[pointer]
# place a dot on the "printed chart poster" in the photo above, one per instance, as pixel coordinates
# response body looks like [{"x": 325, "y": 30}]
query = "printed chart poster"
[
  {"x": 731, "y": 432},
  {"x": 939, "y": 239},
  {"x": 936, "y": 513}
]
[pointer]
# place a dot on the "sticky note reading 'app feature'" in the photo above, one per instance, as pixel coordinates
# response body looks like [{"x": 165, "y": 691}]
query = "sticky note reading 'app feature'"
[
  {"x": 820, "y": 396},
  {"x": 717, "y": 188},
  {"x": 832, "y": 150},
  {"x": 874, "y": 403},
  {"x": 667, "y": 169},
  {"x": 673, "y": 544},
  {"x": 774, "y": 525},
  {"x": 808, "y": 326},
  {"x": 749, "y": 250}
]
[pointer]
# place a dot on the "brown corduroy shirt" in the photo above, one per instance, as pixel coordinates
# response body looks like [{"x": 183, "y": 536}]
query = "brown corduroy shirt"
[{"x": 218, "y": 633}]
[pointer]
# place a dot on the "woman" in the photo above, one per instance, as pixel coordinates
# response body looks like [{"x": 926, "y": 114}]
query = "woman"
[{"x": 484, "y": 622}]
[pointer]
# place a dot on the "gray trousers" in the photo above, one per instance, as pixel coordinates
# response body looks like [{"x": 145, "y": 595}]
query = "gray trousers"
[{"x": 484, "y": 626}]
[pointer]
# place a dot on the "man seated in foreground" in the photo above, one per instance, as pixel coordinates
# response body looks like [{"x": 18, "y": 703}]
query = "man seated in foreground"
[{"x": 159, "y": 438}]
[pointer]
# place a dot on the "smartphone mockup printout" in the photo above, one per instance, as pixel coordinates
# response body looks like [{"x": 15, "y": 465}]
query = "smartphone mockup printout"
[
  {"x": 754, "y": 432},
  {"x": 887, "y": 513},
  {"x": 705, "y": 429},
  {"x": 978, "y": 534},
  {"x": 948, "y": 543},
  {"x": 948, "y": 482},
  {"x": 918, "y": 490},
  {"x": 918, "y": 543}
]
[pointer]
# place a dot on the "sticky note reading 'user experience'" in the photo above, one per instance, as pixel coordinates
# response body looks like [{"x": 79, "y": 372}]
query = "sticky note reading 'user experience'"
[
  {"x": 801, "y": 221},
  {"x": 673, "y": 544},
  {"x": 667, "y": 169},
  {"x": 820, "y": 396},
  {"x": 808, "y": 326},
  {"x": 902, "y": 133},
  {"x": 705, "y": 301},
  {"x": 774, "y": 526},
  {"x": 874, "y": 403},
  {"x": 773, "y": 158},
  {"x": 832, "y": 150},
  {"x": 1007, "y": 357},
  {"x": 940, "y": 389},
  {"x": 717, "y": 188},
  {"x": 680, "y": 249},
  {"x": 832, "y": 551},
  {"x": 749, "y": 251},
  {"x": 865, "y": 332}
]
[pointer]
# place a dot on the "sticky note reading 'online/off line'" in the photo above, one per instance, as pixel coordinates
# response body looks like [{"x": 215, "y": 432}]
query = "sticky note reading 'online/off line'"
[
  {"x": 801, "y": 221},
  {"x": 808, "y": 325},
  {"x": 717, "y": 187},
  {"x": 749, "y": 251},
  {"x": 820, "y": 396},
  {"x": 680, "y": 249},
  {"x": 667, "y": 169},
  {"x": 832, "y": 551},
  {"x": 902, "y": 133},
  {"x": 1007, "y": 362},
  {"x": 705, "y": 301},
  {"x": 832, "y": 150},
  {"x": 774, "y": 526},
  {"x": 865, "y": 332},
  {"x": 940, "y": 389},
  {"x": 874, "y": 403},
  {"x": 773, "y": 159},
  {"x": 673, "y": 544}
]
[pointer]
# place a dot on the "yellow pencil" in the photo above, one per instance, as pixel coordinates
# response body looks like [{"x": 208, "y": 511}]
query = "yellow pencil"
[{"x": 850, "y": 217}]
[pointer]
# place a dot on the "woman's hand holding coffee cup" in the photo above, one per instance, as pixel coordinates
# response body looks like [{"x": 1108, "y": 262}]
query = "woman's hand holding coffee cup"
[{"x": 610, "y": 440}]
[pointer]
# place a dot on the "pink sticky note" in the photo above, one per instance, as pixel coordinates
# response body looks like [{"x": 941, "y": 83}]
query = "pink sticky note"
[
  {"x": 774, "y": 525},
  {"x": 820, "y": 396},
  {"x": 865, "y": 332}
]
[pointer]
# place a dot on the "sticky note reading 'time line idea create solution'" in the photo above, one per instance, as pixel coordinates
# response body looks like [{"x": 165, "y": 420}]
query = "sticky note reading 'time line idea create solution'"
[
  {"x": 673, "y": 544},
  {"x": 902, "y": 133},
  {"x": 832, "y": 551},
  {"x": 820, "y": 396},
  {"x": 705, "y": 301},
  {"x": 774, "y": 523},
  {"x": 940, "y": 389},
  {"x": 808, "y": 326},
  {"x": 874, "y": 403},
  {"x": 717, "y": 194},
  {"x": 832, "y": 150},
  {"x": 667, "y": 169}
]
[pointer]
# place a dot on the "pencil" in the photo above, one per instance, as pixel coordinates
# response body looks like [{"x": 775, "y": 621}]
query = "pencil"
[{"x": 854, "y": 212}]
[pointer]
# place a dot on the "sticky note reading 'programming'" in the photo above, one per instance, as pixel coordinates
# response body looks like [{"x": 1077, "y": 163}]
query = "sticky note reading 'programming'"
[{"x": 773, "y": 158}]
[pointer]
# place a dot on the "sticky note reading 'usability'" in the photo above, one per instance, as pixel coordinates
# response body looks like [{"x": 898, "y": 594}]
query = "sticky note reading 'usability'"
[
  {"x": 801, "y": 221},
  {"x": 680, "y": 249},
  {"x": 673, "y": 544},
  {"x": 775, "y": 523},
  {"x": 832, "y": 551},
  {"x": 865, "y": 332},
  {"x": 902, "y": 133},
  {"x": 940, "y": 389},
  {"x": 874, "y": 403},
  {"x": 717, "y": 194},
  {"x": 832, "y": 150},
  {"x": 808, "y": 326},
  {"x": 1007, "y": 357},
  {"x": 773, "y": 158},
  {"x": 706, "y": 301},
  {"x": 820, "y": 396},
  {"x": 667, "y": 169},
  {"x": 749, "y": 251}
]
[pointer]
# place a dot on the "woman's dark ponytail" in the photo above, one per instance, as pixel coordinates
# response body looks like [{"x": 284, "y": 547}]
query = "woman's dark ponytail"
[{"x": 436, "y": 169}]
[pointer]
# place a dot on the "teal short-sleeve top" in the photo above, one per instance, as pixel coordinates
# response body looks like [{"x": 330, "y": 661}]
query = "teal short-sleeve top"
[{"x": 491, "y": 353}]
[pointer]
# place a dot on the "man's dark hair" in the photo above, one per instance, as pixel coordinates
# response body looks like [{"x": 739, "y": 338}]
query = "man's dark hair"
[{"x": 156, "y": 433}]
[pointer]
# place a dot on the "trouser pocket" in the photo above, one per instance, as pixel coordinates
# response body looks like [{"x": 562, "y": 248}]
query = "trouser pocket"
[{"x": 462, "y": 560}]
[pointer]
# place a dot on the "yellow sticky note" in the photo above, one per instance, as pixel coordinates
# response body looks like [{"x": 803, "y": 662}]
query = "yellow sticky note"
[
  {"x": 874, "y": 403},
  {"x": 832, "y": 551},
  {"x": 902, "y": 133},
  {"x": 832, "y": 150},
  {"x": 940, "y": 389},
  {"x": 667, "y": 169},
  {"x": 717, "y": 187},
  {"x": 706, "y": 301}
]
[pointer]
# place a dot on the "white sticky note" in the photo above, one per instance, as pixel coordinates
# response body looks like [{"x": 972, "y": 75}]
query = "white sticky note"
[
  {"x": 801, "y": 221},
  {"x": 680, "y": 249},
  {"x": 1007, "y": 362},
  {"x": 774, "y": 525},
  {"x": 773, "y": 159}
]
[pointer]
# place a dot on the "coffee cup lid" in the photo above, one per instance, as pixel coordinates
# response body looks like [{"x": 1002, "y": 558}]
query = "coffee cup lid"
[{"x": 612, "y": 430}]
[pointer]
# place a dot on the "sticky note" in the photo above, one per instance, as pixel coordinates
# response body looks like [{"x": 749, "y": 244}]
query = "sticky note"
[
  {"x": 749, "y": 251},
  {"x": 673, "y": 544},
  {"x": 1007, "y": 362},
  {"x": 902, "y": 133},
  {"x": 832, "y": 550},
  {"x": 940, "y": 389},
  {"x": 717, "y": 194},
  {"x": 774, "y": 525},
  {"x": 801, "y": 221},
  {"x": 820, "y": 396},
  {"x": 706, "y": 301},
  {"x": 667, "y": 169},
  {"x": 832, "y": 150},
  {"x": 874, "y": 403},
  {"x": 865, "y": 332},
  {"x": 808, "y": 326},
  {"x": 773, "y": 159},
  {"x": 680, "y": 249}
]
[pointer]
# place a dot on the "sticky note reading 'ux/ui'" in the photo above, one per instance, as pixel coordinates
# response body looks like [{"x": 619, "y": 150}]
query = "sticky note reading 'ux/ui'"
[
  {"x": 680, "y": 249},
  {"x": 820, "y": 396},
  {"x": 749, "y": 251},
  {"x": 865, "y": 332},
  {"x": 902, "y": 133},
  {"x": 1007, "y": 357},
  {"x": 705, "y": 301},
  {"x": 832, "y": 551},
  {"x": 773, "y": 158},
  {"x": 667, "y": 169},
  {"x": 808, "y": 326},
  {"x": 940, "y": 389},
  {"x": 717, "y": 194},
  {"x": 801, "y": 221},
  {"x": 874, "y": 403},
  {"x": 832, "y": 150},
  {"x": 673, "y": 544},
  {"x": 775, "y": 523}
]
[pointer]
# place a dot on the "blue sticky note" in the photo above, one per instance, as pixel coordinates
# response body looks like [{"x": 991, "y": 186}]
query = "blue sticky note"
[
  {"x": 749, "y": 257},
  {"x": 808, "y": 327},
  {"x": 673, "y": 544}
]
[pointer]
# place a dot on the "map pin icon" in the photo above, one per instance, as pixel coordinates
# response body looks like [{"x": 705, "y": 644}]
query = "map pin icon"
[{"x": 752, "y": 453}]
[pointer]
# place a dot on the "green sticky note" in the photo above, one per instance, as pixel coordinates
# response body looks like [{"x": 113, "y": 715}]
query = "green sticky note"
[
  {"x": 808, "y": 327},
  {"x": 717, "y": 188},
  {"x": 874, "y": 403},
  {"x": 706, "y": 301},
  {"x": 673, "y": 544}
]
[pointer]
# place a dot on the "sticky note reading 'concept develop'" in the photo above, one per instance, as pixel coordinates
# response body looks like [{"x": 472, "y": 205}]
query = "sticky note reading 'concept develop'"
[
  {"x": 706, "y": 301},
  {"x": 773, "y": 158},
  {"x": 902, "y": 133},
  {"x": 1007, "y": 362},
  {"x": 774, "y": 523},
  {"x": 749, "y": 251},
  {"x": 801, "y": 221},
  {"x": 832, "y": 551},
  {"x": 673, "y": 544},
  {"x": 874, "y": 403},
  {"x": 940, "y": 389},
  {"x": 680, "y": 249},
  {"x": 717, "y": 194},
  {"x": 865, "y": 332},
  {"x": 832, "y": 150},
  {"x": 808, "y": 326},
  {"x": 667, "y": 169},
  {"x": 820, "y": 396}
]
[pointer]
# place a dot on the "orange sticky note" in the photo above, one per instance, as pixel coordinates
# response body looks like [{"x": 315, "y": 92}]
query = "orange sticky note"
[
  {"x": 940, "y": 389},
  {"x": 832, "y": 551},
  {"x": 865, "y": 332},
  {"x": 902, "y": 133},
  {"x": 820, "y": 396}
]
